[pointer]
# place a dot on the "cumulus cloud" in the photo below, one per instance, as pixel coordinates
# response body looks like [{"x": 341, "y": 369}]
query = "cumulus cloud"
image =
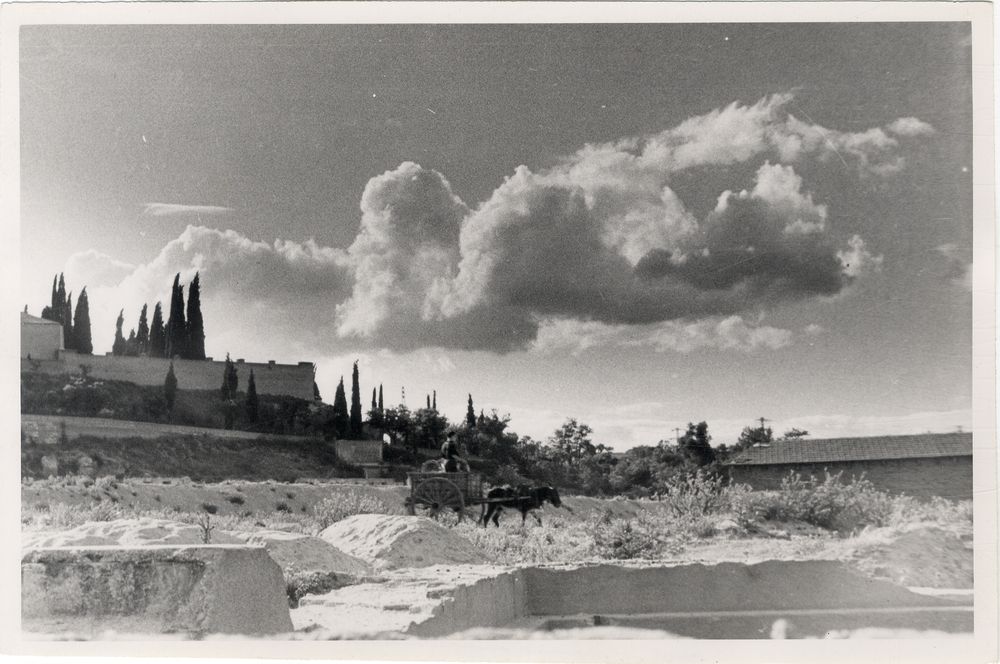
[
  {"x": 93, "y": 268},
  {"x": 600, "y": 241},
  {"x": 258, "y": 287},
  {"x": 910, "y": 127}
]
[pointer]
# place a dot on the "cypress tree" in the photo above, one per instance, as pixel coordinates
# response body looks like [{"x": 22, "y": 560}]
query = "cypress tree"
[
  {"x": 434, "y": 401},
  {"x": 381, "y": 404},
  {"x": 118, "y": 347},
  {"x": 195, "y": 323},
  {"x": 81, "y": 325},
  {"x": 69, "y": 342},
  {"x": 142, "y": 336},
  {"x": 51, "y": 312},
  {"x": 170, "y": 388},
  {"x": 59, "y": 303},
  {"x": 374, "y": 401},
  {"x": 341, "y": 420},
  {"x": 428, "y": 402},
  {"x": 176, "y": 327},
  {"x": 157, "y": 340},
  {"x": 230, "y": 379},
  {"x": 131, "y": 348},
  {"x": 316, "y": 395},
  {"x": 470, "y": 415},
  {"x": 252, "y": 402},
  {"x": 356, "y": 421}
]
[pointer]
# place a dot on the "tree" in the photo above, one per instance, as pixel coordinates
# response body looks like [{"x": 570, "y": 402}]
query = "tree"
[
  {"x": 794, "y": 433},
  {"x": 118, "y": 347},
  {"x": 142, "y": 336},
  {"x": 252, "y": 404},
  {"x": 195, "y": 323},
  {"x": 51, "y": 312},
  {"x": 356, "y": 423},
  {"x": 751, "y": 436},
  {"x": 341, "y": 418},
  {"x": 230, "y": 379},
  {"x": 69, "y": 341},
  {"x": 81, "y": 325},
  {"x": 696, "y": 444},
  {"x": 131, "y": 345},
  {"x": 434, "y": 400},
  {"x": 59, "y": 303},
  {"x": 176, "y": 327},
  {"x": 428, "y": 402},
  {"x": 170, "y": 388},
  {"x": 381, "y": 404},
  {"x": 374, "y": 400},
  {"x": 470, "y": 415},
  {"x": 157, "y": 337},
  {"x": 316, "y": 395}
]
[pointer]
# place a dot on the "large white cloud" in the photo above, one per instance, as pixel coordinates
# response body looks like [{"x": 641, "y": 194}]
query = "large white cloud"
[{"x": 600, "y": 239}]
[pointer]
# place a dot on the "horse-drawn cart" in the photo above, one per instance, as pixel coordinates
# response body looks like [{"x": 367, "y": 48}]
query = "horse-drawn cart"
[{"x": 431, "y": 493}]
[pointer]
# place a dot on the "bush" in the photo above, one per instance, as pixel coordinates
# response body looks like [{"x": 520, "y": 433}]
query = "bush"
[
  {"x": 235, "y": 500},
  {"x": 331, "y": 510},
  {"x": 282, "y": 507},
  {"x": 831, "y": 504},
  {"x": 210, "y": 508},
  {"x": 300, "y": 584},
  {"x": 694, "y": 494}
]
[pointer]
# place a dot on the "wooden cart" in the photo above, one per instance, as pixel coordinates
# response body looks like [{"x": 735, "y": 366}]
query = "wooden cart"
[{"x": 432, "y": 493}]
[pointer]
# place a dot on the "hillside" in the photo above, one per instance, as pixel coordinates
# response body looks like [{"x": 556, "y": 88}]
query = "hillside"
[{"x": 199, "y": 457}]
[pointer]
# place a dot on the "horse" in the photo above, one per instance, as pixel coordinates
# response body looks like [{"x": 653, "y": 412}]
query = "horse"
[{"x": 523, "y": 498}]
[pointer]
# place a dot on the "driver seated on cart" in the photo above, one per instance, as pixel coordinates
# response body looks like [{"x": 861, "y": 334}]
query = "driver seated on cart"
[{"x": 449, "y": 452}]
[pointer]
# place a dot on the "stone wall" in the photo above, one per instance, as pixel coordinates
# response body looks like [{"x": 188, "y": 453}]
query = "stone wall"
[
  {"x": 294, "y": 380},
  {"x": 359, "y": 451},
  {"x": 948, "y": 477},
  {"x": 49, "y": 429}
]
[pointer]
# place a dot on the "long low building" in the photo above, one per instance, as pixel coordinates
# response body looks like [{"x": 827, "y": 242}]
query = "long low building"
[{"x": 922, "y": 465}]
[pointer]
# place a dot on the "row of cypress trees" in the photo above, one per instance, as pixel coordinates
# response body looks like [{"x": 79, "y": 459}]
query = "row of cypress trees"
[
  {"x": 178, "y": 336},
  {"x": 76, "y": 328}
]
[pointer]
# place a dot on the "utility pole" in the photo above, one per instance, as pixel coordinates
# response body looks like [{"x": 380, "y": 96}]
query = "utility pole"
[
  {"x": 762, "y": 420},
  {"x": 677, "y": 434}
]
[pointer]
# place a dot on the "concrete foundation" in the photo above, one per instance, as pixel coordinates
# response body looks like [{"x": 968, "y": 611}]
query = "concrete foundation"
[{"x": 153, "y": 589}]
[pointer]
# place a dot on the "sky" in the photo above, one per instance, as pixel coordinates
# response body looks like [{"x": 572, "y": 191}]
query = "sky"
[{"x": 637, "y": 226}]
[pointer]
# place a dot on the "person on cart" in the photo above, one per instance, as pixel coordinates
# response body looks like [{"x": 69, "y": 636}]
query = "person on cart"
[{"x": 449, "y": 453}]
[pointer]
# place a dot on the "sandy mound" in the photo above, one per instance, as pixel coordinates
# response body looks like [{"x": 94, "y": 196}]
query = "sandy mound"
[
  {"x": 928, "y": 557},
  {"x": 125, "y": 532},
  {"x": 391, "y": 542},
  {"x": 303, "y": 553}
]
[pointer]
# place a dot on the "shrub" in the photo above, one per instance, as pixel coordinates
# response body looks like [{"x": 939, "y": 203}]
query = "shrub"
[
  {"x": 210, "y": 508},
  {"x": 290, "y": 495},
  {"x": 300, "y": 584},
  {"x": 282, "y": 507},
  {"x": 831, "y": 504},
  {"x": 694, "y": 494},
  {"x": 331, "y": 510},
  {"x": 624, "y": 539},
  {"x": 235, "y": 500}
]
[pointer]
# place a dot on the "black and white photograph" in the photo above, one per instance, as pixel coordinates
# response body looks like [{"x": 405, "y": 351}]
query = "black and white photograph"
[{"x": 402, "y": 329}]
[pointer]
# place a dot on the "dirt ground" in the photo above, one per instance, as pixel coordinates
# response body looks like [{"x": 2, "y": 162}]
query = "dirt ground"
[{"x": 400, "y": 566}]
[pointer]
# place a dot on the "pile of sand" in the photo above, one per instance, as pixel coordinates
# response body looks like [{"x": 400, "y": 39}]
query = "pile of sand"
[
  {"x": 392, "y": 542},
  {"x": 302, "y": 553},
  {"x": 126, "y": 532},
  {"x": 927, "y": 557}
]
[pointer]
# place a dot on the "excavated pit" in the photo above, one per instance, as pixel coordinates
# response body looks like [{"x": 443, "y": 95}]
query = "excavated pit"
[{"x": 771, "y": 599}]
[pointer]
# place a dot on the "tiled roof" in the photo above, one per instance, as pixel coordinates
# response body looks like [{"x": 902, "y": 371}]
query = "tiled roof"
[
  {"x": 857, "y": 449},
  {"x": 35, "y": 320}
]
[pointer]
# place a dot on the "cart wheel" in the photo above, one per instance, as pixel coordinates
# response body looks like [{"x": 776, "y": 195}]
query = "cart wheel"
[{"x": 436, "y": 494}]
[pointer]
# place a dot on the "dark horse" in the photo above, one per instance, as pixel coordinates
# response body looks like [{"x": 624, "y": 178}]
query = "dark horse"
[{"x": 523, "y": 498}]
